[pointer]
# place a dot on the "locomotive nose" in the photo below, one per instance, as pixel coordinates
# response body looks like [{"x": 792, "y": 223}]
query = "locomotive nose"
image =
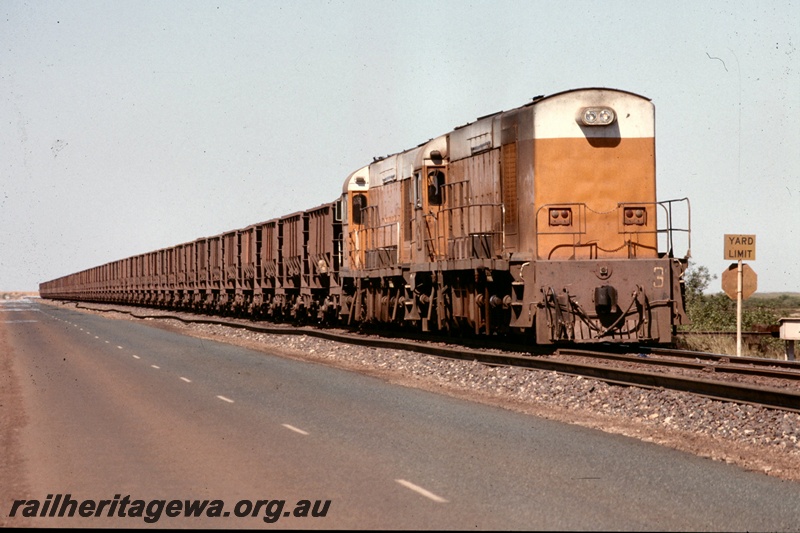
[{"x": 605, "y": 299}]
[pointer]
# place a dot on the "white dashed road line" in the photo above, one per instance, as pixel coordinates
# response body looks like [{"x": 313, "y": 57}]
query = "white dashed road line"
[
  {"x": 187, "y": 380},
  {"x": 420, "y": 490},
  {"x": 224, "y": 399},
  {"x": 296, "y": 430},
  {"x": 154, "y": 366}
]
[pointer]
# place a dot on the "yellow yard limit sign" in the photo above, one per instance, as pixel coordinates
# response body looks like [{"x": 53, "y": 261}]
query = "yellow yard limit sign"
[{"x": 739, "y": 248}]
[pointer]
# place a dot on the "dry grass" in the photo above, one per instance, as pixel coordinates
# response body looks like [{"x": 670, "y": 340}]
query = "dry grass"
[{"x": 762, "y": 346}]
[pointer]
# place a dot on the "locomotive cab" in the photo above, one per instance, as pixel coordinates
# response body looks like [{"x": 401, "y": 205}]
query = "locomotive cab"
[
  {"x": 355, "y": 200},
  {"x": 429, "y": 229}
]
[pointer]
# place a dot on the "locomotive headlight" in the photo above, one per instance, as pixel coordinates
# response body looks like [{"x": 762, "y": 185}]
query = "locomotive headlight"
[{"x": 596, "y": 116}]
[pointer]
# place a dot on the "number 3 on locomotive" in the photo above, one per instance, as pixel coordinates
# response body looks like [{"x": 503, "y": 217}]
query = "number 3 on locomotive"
[{"x": 658, "y": 272}]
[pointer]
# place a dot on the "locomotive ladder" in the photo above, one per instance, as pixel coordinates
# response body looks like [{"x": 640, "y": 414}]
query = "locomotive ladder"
[{"x": 432, "y": 236}]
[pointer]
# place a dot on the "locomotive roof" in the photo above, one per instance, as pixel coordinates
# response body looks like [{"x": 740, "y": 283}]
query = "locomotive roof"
[{"x": 535, "y": 100}]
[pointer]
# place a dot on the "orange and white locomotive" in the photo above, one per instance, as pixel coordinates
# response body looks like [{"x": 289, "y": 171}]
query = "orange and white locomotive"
[
  {"x": 543, "y": 218},
  {"x": 540, "y": 220}
]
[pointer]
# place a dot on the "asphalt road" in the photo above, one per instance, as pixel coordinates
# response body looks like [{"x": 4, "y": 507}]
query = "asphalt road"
[{"x": 121, "y": 411}]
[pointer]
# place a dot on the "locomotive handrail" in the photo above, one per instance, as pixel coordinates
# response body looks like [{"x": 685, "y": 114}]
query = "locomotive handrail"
[
  {"x": 432, "y": 237},
  {"x": 688, "y": 229},
  {"x": 579, "y": 230},
  {"x": 668, "y": 231},
  {"x": 378, "y": 238}
]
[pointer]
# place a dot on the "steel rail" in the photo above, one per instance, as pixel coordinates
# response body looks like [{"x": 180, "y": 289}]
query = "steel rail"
[
  {"x": 732, "y": 359},
  {"x": 715, "y": 363}
]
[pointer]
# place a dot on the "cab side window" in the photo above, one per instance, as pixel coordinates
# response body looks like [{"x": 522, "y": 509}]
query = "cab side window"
[
  {"x": 436, "y": 187},
  {"x": 359, "y": 203}
]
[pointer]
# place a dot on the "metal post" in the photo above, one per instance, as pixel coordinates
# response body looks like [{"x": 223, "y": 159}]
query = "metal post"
[
  {"x": 789, "y": 350},
  {"x": 739, "y": 310}
]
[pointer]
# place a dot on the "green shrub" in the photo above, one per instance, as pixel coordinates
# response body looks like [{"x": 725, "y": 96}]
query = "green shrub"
[{"x": 717, "y": 313}]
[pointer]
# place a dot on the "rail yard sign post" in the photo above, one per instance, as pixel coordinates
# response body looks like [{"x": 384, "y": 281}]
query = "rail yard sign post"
[{"x": 739, "y": 248}]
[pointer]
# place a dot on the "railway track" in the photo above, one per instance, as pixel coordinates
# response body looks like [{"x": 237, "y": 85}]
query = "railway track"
[
  {"x": 763, "y": 382},
  {"x": 785, "y": 372}
]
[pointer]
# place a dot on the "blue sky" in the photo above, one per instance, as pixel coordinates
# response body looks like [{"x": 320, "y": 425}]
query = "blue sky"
[{"x": 131, "y": 126}]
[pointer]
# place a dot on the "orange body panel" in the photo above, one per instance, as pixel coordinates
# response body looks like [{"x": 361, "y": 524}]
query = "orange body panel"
[{"x": 592, "y": 176}]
